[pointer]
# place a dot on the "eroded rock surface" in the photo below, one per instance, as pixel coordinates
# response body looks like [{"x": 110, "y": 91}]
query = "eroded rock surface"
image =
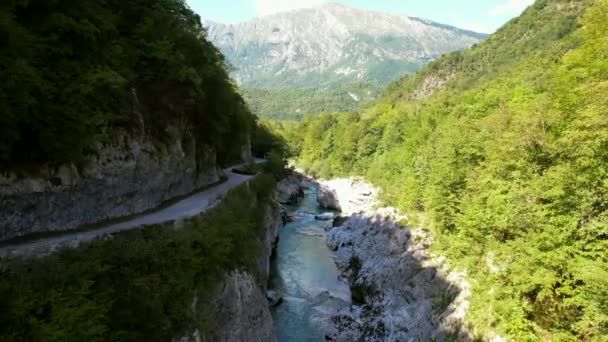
[
  {"x": 348, "y": 195},
  {"x": 239, "y": 306},
  {"x": 119, "y": 179},
  {"x": 401, "y": 292},
  {"x": 240, "y": 309},
  {"x": 290, "y": 190}
]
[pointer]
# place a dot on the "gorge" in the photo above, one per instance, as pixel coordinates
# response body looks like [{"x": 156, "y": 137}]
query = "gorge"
[
  {"x": 142, "y": 199},
  {"x": 399, "y": 291}
]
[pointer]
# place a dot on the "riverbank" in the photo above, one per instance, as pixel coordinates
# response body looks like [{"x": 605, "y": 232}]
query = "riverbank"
[{"x": 400, "y": 291}]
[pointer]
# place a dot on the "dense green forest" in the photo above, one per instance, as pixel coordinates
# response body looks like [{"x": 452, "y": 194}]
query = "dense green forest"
[
  {"x": 502, "y": 152},
  {"x": 78, "y": 72},
  {"x": 293, "y": 103}
]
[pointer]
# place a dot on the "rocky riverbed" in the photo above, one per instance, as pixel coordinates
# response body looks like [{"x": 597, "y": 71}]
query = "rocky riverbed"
[{"x": 400, "y": 292}]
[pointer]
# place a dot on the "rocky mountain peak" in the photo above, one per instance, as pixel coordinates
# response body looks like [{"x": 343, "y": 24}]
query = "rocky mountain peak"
[{"x": 332, "y": 45}]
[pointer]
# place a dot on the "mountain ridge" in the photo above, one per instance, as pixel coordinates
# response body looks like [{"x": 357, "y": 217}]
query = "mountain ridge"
[{"x": 331, "y": 45}]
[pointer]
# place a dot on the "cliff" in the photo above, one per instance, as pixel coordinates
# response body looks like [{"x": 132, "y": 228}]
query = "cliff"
[
  {"x": 401, "y": 292},
  {"x": 238, "y": 304},
  {"x": 123, "y": 178},
  {"x": 203, "y": 278}
]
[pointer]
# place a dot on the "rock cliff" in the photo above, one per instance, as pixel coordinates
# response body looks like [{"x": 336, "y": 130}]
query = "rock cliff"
[
  {"x": 238, "y": 305},
  {"x": 348, "y": 195},
  {"x": 289, "y": 190},
  {"x": 123, "y": 178},
  {"x": 402, "y": 293}
]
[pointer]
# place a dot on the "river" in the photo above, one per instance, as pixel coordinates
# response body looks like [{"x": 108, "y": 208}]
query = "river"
[{"x": 305, "y": 275}]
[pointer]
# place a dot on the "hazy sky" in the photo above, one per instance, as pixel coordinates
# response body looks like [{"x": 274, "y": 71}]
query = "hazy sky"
[{"x": 478, "y": 15}]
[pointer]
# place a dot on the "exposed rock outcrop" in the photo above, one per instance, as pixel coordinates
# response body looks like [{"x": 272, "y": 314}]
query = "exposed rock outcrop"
[
  {"x": 240, "y": 310},
  {"x": 348, "y": 195},
  {"x": 430, "y": 85},
  {"x": 290, "y": 190},
  {"x": 402, "y": 292},
  {"x": 328, "y": 199},
  {"x": 119, "y": 179}
]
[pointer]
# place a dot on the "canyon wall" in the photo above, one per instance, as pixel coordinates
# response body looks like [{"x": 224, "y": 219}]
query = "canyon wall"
[
  {"x": 239, "y": 305},
  {"x": 118, "y": 179},
  {"x": 401, "y": 292}
]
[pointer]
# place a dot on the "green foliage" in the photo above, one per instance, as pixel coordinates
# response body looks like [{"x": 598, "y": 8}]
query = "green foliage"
[
  {"x": 269, "y": 143},
  {"x": 294, "y": 103},
  {"x": 77, "y": 72},
  {"x": 509, "y": 163},
  {"x": 139, "y": 285}
]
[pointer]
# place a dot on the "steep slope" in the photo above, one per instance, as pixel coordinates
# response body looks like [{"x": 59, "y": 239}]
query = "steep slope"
[
  {"x": 109, "y": 109},
  {"x": 501, "y": 152},
  {"x": 331, "y": 46},
  {"x": 202, "y": 278}
]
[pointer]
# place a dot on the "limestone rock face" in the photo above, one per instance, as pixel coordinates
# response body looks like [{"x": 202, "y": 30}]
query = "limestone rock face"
[
  {"x": 290, "y": 190},
  {"x": 241, "y": 310},
  {"x": 273, "y": 222},
  {"x": 331, "y": 45},
  {"x": 328, "y": 199},
  {"x": 239, "y": 305},
  {"x": 400, "y": 291},
  {"x": 349, "y": 195},
  {"x": 123, "y": 178}
]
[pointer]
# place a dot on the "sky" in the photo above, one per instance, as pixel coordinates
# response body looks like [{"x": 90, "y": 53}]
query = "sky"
[{"x": 478, "y": 15}]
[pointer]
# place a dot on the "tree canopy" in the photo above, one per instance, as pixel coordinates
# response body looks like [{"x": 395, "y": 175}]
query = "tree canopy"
[{"x": 77, "y": 72}]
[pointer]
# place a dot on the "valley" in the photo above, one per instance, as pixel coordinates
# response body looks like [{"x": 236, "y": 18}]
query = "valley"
[
  {"x": 332, "y": 58},
  {"x": 323, "y": 173}
]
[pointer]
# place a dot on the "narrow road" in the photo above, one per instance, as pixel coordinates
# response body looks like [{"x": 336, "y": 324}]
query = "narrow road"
[{"x": 186, "y": 208}]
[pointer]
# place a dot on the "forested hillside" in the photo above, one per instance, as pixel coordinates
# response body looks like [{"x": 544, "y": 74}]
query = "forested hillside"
[
  {"x": 80, "y": 78},
  {"x": 294, "y": 103},
  {"x": 76, "y": 73},
  {"x": 502, "y": 152}
]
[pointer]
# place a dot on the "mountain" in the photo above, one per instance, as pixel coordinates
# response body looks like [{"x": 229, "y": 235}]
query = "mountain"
[
  {"x": 332, "y": 46},
  {"x": 501, "y": 152}
]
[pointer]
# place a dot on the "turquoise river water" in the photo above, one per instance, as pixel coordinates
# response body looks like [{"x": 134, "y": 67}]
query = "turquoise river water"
[{"x": 305, "y": 275}]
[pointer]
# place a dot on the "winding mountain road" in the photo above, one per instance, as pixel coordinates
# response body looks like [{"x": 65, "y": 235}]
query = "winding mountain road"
[{"x": 183, "y": 209}]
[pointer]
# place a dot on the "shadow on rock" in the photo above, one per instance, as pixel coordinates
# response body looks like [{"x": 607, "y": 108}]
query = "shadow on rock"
[{"x": 401, "y": 292}]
